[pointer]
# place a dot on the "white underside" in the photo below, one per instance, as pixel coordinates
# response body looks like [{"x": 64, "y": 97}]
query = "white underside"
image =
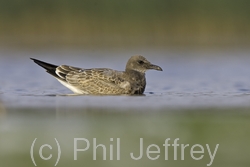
[{"x": 72, "y": 88}]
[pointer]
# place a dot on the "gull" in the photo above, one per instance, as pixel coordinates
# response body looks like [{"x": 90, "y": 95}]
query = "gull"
[{"x": 103, "y": 81}]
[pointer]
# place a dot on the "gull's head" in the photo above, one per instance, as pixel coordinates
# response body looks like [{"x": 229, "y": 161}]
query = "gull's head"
[{"x": 141, "y": 64}]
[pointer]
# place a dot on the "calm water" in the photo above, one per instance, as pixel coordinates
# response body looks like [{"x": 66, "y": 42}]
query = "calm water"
[
  {"x": 189, "y": 79},
  {"x": 200, "y": 98}
]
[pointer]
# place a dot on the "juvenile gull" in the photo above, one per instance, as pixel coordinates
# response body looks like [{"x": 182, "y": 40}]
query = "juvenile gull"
[{"x": 103, "y": 80}]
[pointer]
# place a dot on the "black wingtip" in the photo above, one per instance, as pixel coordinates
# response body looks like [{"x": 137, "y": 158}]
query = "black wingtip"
[
  {"x": 45, "y": 65},
  {"x": 33, "y": 59},
  {"x": 50, "y": 68}
]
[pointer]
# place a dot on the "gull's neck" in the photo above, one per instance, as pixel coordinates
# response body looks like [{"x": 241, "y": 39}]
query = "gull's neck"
[{"x": 128, "y": 70}]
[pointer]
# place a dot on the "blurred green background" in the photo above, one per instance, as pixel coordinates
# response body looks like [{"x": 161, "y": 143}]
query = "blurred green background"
[
  {"x": 225, "y": 127},
  {"x": 114, "y": 23}
]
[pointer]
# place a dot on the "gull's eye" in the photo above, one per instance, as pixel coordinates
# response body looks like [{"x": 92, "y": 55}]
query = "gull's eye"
[{"x": 140, "y": 62}]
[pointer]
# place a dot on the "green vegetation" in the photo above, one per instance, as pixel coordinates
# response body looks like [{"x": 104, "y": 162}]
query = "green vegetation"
[{"x": 150, "y": 22}]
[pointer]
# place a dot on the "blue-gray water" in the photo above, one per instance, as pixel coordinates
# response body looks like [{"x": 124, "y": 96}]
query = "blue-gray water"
[
  {"x": 200, "y": 97},
  {"x": 189, "y": 79}
]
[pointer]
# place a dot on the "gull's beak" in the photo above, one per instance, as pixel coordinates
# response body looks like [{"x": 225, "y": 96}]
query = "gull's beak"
[{"x": 155, "y": 67}]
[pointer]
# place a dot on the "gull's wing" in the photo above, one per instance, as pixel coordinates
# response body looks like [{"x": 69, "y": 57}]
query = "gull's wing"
[
  {"x": 94, "y": 81},
  {"x": 88, "y": 81}
]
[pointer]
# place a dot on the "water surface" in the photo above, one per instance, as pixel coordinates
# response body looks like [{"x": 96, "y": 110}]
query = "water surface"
[
  {"x": 189, "y": 79},
  {"x": 199, "y": 97}
]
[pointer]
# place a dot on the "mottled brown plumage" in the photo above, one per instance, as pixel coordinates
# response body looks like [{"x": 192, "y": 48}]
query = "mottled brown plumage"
[{"x": 103, "y": 80}]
